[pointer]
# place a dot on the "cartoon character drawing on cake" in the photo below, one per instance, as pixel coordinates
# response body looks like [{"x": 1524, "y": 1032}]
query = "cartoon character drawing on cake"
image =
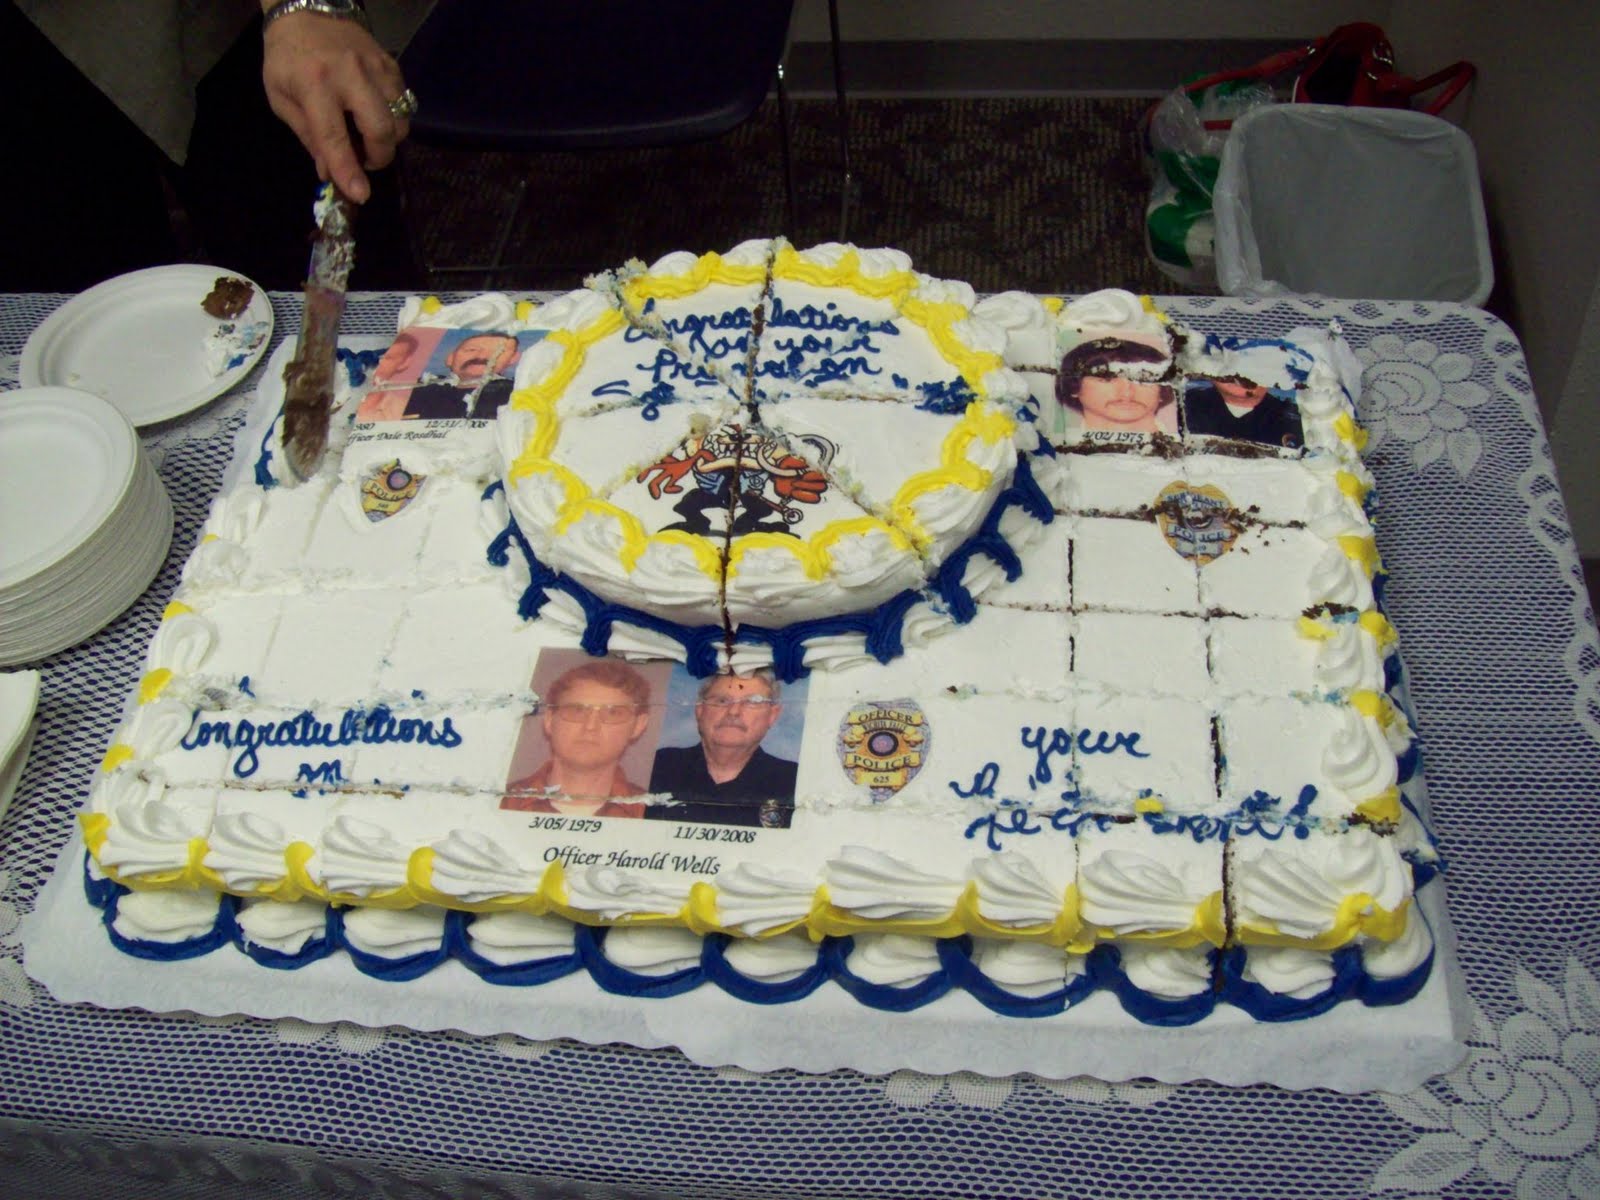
[
  {"x": 727, "y": 778},
  {"x": 1110, "y": 385},
  {"x": 1243, "y": 410},
  {"x": 590, "y": 718},
  {"x": 731, "y": 469}
]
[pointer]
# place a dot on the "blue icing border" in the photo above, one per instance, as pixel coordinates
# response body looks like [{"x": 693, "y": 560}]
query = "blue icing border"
[
  {"x": 881, "y": 626},
  {"x": 412, "y": 966},
  {"x": 955, "y": 954},
  {"x": 720, "y": 971},
  {"x": 279, "y": 960},
  {"x": 590, "y": 941},
  {"x": 956, "y": 970},
  {"x": 222, "y": 932},
  {"x": 521, "y": 974},
  {"x": 1265, "y": 1005},
  {"x": 836, "y": 951},
  {"x": 1105, "y": 966}
]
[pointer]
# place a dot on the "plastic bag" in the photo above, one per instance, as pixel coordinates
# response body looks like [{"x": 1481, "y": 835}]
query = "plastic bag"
[
  {"x": 1185, "y": 151},
  {"x": 1353, "y": 65}
]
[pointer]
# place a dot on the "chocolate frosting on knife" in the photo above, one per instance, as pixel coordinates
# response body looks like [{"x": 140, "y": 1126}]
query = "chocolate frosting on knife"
[{"x": 308, "y": 379}]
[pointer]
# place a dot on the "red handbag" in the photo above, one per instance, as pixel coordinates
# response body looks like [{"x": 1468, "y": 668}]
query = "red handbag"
[{"x": 1352, "y": 65}]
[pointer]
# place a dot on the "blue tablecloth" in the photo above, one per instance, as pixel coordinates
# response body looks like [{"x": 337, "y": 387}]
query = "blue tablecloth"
[{"x": 1496, "y": 630}]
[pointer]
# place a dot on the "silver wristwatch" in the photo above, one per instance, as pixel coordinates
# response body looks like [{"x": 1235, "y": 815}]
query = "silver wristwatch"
[{"x": 344, "y": 10}]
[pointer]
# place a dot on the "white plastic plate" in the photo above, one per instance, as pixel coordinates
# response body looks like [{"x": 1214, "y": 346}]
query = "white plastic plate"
[{"x": 139, "y": 341}]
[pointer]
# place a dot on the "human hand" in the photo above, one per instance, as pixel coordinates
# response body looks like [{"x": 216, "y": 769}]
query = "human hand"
[{"x": 323, "y": 75}]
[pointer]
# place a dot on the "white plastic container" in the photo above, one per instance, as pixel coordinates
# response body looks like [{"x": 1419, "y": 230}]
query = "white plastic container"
[{"x": 1375, "y": 203}]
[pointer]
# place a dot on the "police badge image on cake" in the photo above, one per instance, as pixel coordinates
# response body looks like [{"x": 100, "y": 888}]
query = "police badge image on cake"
[
  {"x": 730, "y": 749},
  {"x": 1198, "y": 521},
  {"x": 586, "y": 749},
  {"x": 1114, "y": 389},
  {"x": 883, "y": 744}
]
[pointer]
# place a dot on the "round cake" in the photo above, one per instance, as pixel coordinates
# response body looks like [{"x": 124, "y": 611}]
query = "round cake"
[{"x": 770, "y": 456}]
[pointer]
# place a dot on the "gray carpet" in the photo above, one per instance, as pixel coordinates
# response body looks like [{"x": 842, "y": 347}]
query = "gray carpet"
[{"x": 1044, "y": 194}]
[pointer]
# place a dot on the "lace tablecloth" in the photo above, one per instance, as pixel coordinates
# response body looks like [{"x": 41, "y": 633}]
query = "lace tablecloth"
[{"x": 1500, "y": 643}]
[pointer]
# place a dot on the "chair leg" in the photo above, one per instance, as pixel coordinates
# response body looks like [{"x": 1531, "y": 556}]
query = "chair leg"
[
  {"x": 791, "y": 208},
  {"x": 497, "y": 261},
  {"x": 848, "y": 183}
]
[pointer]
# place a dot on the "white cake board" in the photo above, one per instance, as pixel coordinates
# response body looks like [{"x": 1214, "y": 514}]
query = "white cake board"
[{"x": 1351, "y": 1048}]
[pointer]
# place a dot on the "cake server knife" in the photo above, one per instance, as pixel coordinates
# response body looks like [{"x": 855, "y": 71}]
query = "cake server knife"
[{"x": 308, "y": 379}]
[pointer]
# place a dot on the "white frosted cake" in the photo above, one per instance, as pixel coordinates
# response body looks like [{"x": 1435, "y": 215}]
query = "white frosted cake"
[{"x": 780, "y": 619}]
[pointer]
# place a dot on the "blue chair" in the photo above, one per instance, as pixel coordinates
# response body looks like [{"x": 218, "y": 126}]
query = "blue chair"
[{"x": 506, "y": 75}]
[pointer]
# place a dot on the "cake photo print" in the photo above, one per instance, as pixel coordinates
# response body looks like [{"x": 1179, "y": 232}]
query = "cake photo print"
[{"x": 786, "y": 631}]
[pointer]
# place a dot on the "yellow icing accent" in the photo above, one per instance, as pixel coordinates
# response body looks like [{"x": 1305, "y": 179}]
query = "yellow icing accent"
[
  {"x": 119, "y": 753},
  {"x": 153, "y": 684},
  {"x": 1358, "y": 915},
  {"x": 394, "y": 898},
  {"x": 708, "y": 269},
  {"x": 1375, "y": 623},
  {"x": 1346, "y": 430},
  {"x": 938, "y": 321},
  {"x": 707, "y": 554},
  {"x": 1369, "y": 704},
  {"x": 96, "y": 828},
  {"x": 982, "y": 421},
  {"x": 827, "y": 920},
  {"x": 431, "y": 304},
  {"x": 210, "y": 537},
  {"x": 297, "y": 860},
  {"x": 176, "y": 608},
  {"x": 1363, "y": 549},
  {"x": 1208, "y": 926},
  {"x": 1059, "y": 932},
  {"x": 525, "y": 309},
  {"x": 419, "y": 881},
  {"x": 1053, "y": 304},
  {"x": 1351, "y": 485},
  {"x": 813, "y": 554},
  {"x": 787, "y": 264},
  {"x": 1149, "y": 305},
  {"x": 553, "y": 887},
  {"x": 1317, "y": 631},
  {"x": 1149, "y": 804},
  {"x": 701, "y": 911},
  {"x": 1382, "y": 809}
]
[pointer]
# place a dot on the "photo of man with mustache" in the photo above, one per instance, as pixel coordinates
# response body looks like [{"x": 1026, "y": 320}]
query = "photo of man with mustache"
[
  {"x": 727, "y": 778},
  {"x": 476, "y": 384}
]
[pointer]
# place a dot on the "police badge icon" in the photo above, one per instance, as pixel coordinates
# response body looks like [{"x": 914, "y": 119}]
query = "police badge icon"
[
  {"x": 388, "y": 489},
  {"x": 882, "y": 744},
  {"x": 1200, "y": 523}
]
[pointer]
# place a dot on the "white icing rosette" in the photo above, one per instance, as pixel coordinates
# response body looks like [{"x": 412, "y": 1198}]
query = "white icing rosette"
[
  {"x": 1025, "y": 968},
  {"x": 611, "y": 894},
  {"x": 1029, "y": 328},
  {"x": 395, "y": 933},
  {"x": 652, "y": 949},
  {"x": 286, "y": 927},
  {"x": 753, "y": 898},
  {"x": 1012, "y": 890},
  {"x": 166, "y": 916},
  {"x": 1289, "y": 970},
  {"x": 472, "y": 866},
  {"x": 772, "y": 960},
  {"x": 508, "y": 938},
  {"x": 880, "y": 887},
  {"x": 246, "y": 849},
  {"x": 893, "y": 959},
  {"x": 1166, "y": 971},
  {"x": 1358, "y": 759},
  {"x": 490, "y": 311},
  {"x": 359, "y": 857},
  {"x": 1297, "y": 887},
  {"x": 152, "y": 836}
]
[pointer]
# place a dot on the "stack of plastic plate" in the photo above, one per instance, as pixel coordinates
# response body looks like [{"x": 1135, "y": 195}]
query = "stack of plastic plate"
[{"x": 84, "y": 521}]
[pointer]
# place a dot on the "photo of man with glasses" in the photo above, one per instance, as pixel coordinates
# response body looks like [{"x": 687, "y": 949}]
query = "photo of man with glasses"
[
  {"x": 589, "y": 717},
  {"x": 727, "y": 778}
]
